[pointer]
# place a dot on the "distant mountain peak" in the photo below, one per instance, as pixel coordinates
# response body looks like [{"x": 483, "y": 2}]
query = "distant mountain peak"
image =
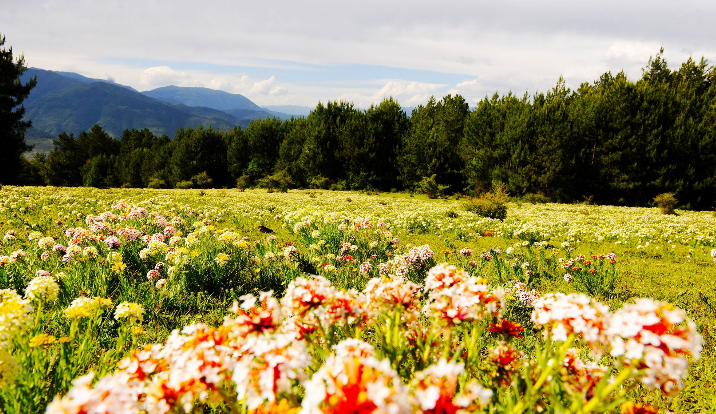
[{"x": 205, "y": 97}]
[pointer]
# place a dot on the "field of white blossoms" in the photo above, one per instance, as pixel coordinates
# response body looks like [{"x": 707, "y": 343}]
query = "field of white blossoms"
[{"x": 178, "y": 301}]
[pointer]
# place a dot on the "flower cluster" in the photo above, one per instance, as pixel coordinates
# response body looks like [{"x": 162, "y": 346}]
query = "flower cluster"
[
  {"x": 84, "y": 307},
  {"x": 650, "y": 337},
  {"x": 132, "y": 312},
  {"x": 42, "y": 289},
  {"x": 15, "y": 315}
]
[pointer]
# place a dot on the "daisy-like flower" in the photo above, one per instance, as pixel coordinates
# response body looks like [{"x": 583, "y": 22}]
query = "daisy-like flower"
[
  {"x": 444, "y": 276},
  {"x": 221, "y": 259},
  {"x": 250, "y": 319},
  {"x": 506, "y": 361},
  {"x": 46, "y": 243},
  {"x": 83, "y": 307},
  {"x": 42, "y": 289},
  {"x": 574, "y": 313},
  {"x": 15, "y": 315},
  {"x": 303, "y": 295},
  {"x": 132, "y": 312},
  {"x": 655, "y": 337},
  {"x": 435, "y": 387},
  {"x": 112, "y": 242},
  {"x": 355, "y": 385},
  {"x": 42, "y": 341},
  {"x": 365, "y": 267},
  {"x": 469, "y": 300},
  {"x": 579, "y": 376},
  {"x": 353, "y": 348}
]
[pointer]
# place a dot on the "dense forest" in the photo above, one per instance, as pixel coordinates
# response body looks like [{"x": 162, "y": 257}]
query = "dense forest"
[{"x": 613, "y": 141}]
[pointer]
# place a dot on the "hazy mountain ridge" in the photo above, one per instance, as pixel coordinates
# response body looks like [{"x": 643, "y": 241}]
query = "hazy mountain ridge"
[{"x": 72, "y": 103}]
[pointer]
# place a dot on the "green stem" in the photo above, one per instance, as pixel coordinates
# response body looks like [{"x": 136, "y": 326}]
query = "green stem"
[{"x": 623, "y": 376}]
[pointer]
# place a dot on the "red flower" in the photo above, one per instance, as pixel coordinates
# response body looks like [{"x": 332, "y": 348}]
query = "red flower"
[{"x": 507, "y": 327}]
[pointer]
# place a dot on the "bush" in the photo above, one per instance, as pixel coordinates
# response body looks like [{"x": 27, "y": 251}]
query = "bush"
[
  {"x": 156, "y": 183},
  {"x": 486, "y": 206},
  {"x": 202, "y": 180},
  {"x": 430, "y": 187},
  {"x": 244, "y": 182},
  {"x": 536, "y": 198},
  {"x": 492, "y": 204},
  {"x": 666, "y": 203},
  {"x": 185, "y": 185},
  {"x": 319, "y": 181},
  {"x": 280, "y": 181}
]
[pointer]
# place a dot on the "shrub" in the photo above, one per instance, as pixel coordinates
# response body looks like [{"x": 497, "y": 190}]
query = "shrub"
[
  {"x": 536, "y": 198},
  {"x": 155, "y": 182},
  {"x": 244, "y": 182},
  {"x": 666, "y": 203},
  {"x": 280, "y": 181},
  {"x": 492, "y": 204},
  {"x": 430, "y": 187},
  {"x": 486, "y": 206},
  {"x": 319, "y": 181},
  {"x": 185, "y": 185},
  {"x": 202, "y": 180}
]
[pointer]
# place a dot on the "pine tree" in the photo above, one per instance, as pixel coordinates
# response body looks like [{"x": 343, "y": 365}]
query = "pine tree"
[{"x": 12, "y": 126}]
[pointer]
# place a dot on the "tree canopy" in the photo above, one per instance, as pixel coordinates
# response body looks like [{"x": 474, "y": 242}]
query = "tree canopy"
[{"x": 12, "y": 125}]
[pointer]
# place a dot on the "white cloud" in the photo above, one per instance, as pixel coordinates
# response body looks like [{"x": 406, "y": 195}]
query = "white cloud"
[
  {"x": 264, "y": 86},
  {"x": 633, "y": 52},
  {"x": 278, "y": 90},
  {"x": 162, "y": 76},
  {"x": 508, "y": 46}
]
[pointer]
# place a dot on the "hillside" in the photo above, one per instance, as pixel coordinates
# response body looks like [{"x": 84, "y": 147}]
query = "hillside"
[
  {"x": 235, "y": 104},
  {"x": 72, "y": 103}
]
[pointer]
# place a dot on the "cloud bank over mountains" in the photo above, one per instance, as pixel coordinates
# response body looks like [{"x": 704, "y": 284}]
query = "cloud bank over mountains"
[{"x": 301, "y": 52}]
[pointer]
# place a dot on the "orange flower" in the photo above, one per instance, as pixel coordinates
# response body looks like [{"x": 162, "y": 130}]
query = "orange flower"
[
  {"x": 638, "y": 408},
  {"x": 274, "y": 408},
  {"x": 507, "y": 328}
]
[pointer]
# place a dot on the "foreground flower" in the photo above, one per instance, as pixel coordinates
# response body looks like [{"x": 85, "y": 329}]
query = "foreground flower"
[
  {"x": 83, "y": 307},
  {"x": 574, "y": 313},
  {"x": 507, "y": 328},
  {"x": 42, "y": 341},
  {"x": 133, "y": 312},
  {"x": 42, "y": 289},
  {"x": 657, "y": 338},
  {"x": 9, "y": 369},
  {"x": 15, "y": 315},
  {"x": 436, "y": 386},
  {"x": 355, "y": 385}
]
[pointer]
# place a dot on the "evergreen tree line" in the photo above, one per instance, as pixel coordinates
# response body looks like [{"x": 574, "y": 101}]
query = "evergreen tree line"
[{"x": 613, "y": 141}]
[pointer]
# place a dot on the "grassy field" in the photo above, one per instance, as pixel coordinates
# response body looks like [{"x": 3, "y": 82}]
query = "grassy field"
[{"x": 99, "y": 274}]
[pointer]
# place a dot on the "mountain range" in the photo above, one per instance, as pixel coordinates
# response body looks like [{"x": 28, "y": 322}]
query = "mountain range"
[{"x": 72, "y": 103}]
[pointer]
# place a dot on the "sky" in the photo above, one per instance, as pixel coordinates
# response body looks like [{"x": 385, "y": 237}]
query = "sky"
[{"x": 301, "y": 52}]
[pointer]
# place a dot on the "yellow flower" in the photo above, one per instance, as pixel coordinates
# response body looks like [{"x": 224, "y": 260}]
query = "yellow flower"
[
  {"x": 83, "y": 307},
  {"x": 134, "y": 312},
  {"x": 137, "y": 330},
  {"x": 222, "y": 259},
  {"x": 118, "y": 267},
  {"x": 42, "y": 340},
  {"x": 9, "y": 369}
]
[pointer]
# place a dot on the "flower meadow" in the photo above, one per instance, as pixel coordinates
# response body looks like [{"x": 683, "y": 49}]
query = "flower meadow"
[{"x": 120, "y": 301}]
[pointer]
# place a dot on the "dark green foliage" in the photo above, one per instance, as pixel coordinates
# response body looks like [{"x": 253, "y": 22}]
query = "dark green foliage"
[
  {"x": 613, "y": 141},
  {"x": 12, "y": 126},
  {"x": 432, "y": 143},
  {"x": 430, "y": 188},
  {"x": 280, "y": 181}
]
